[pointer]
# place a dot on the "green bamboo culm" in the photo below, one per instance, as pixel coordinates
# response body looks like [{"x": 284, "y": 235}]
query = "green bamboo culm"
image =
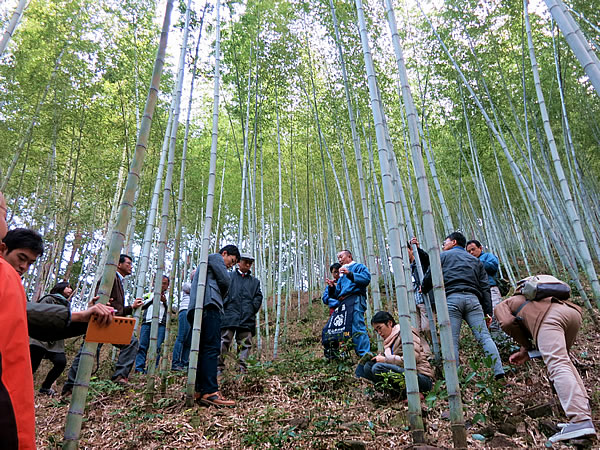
[
  {"x": 210, "y": 199},
  {"x": 395, "y": 246},
  {"x": 77, "y": 407}
]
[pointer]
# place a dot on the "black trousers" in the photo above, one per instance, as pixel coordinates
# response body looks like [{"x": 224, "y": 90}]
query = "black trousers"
[{"x": 58, "y": 360}]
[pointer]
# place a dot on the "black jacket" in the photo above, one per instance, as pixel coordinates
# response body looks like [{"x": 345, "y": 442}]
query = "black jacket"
[
  {"x": 462, "y": 272},
  {"x": 243, "y": 301},
  {"x": 424, "y": 258}
]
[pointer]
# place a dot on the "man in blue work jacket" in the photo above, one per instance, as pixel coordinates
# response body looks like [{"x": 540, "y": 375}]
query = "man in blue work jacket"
[{"x": 352, "y": 284}]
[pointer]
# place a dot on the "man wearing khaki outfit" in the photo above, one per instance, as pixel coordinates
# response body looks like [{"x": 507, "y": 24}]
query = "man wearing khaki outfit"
[{"x": 553, "y": 324}]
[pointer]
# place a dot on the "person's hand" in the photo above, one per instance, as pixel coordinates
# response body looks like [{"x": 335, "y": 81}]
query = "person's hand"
[
  {"x": 488, "y": 321},
  {"x": 343, "y": 270},
  {"x": 93, "y": 301},
  {"x": 379, "y": 358},
  {"x": 414, "y": 241},
  {"x": 163, "y": 298},
  {"x": 104, "y": 314},
  {"x": 137, "y": 303},
  {"x": 520, "y": 357},
  {"x": 330, "y": 283}
]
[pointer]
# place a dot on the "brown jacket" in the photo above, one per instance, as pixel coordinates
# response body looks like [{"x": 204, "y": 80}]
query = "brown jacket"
[
  {"x": 393, "y": 351},
  {"x": 532, "y": 316},
  {"x": 117, "y": 294}
]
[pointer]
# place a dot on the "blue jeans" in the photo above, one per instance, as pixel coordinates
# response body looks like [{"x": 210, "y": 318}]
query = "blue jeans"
[
  {"x": 140, "y": 359},
  {"x": 466, "y": 306},
  {"x": 181, "y": 349},
  {"x": 208, "y": 353},
  {"x": 360, "y": 337},
  {"x": 373, "y": 371}
]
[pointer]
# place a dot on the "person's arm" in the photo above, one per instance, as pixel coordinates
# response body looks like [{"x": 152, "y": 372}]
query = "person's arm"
[
  {"x": 490, "y": 263},
  {"x": 424, "y": 258},
  {"x": 509, "y": 324},
  {"x": 325, "y": 296},
  {"x": 486, "y": 295},
  {"x": 258, "y": 298},
  {"x": 426, "y": 284},
  {"x": 220, "y": 272},
  {"x": 360, "y": 275},
  {"x": 49, "y": 322}
]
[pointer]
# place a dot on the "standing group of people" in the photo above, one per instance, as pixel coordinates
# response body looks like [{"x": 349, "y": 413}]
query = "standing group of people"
[
  {"x": 541, "y": 319},
  {"x": 544, "y": 323}
]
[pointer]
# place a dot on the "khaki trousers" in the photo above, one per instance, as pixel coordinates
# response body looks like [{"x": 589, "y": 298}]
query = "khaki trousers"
[
  {"x": 244, "y": 343},
  {"x": 555, "y": 337}
]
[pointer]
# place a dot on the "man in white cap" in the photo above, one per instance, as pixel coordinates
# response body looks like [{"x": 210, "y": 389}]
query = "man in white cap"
[{"x": 241, "y": 305}]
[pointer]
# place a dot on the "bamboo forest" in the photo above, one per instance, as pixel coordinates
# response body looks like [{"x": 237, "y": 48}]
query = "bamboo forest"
[{"x": 262, "y": 223}]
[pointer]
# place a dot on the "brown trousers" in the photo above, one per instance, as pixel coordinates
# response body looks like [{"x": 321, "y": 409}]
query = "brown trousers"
[{"x": 555, "y": 337}]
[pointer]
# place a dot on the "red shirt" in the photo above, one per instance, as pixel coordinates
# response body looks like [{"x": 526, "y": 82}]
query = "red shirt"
[{"x": 17, "y": 418}]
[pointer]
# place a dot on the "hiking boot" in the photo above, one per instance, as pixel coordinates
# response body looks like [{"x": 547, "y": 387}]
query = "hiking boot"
[
  {"x": 574, "y": 430},
  {"x": 48, "y": 391},
  {"x": 215, "y": 399}
]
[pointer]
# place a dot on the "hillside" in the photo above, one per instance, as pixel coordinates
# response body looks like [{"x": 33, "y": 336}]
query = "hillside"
[{"x": 301, "y": 401}]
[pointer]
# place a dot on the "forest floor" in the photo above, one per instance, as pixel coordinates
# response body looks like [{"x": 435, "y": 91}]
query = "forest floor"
[{"x": 301, "y": 401}]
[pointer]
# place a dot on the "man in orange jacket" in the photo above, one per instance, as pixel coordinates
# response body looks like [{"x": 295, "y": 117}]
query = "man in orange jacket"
[{"x": 17, "y": 419}]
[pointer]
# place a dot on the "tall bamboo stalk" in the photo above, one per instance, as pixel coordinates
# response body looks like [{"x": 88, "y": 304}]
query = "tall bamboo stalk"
[
  {"x": 14, "y": 20},
  {"x": 280, "y": 242},
  {"x": 162, "y": 242},
  {"x": 76, "y": 410},
  {"x": 582, "y": 246},
  {"x": 408, "y": 353},
  {"x": 210, "y": 195},
  {"x": 579, "y": 46},
  {"x": 454, "y": 398}
]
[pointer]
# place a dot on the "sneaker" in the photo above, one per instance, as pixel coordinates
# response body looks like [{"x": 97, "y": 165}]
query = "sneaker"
[
  {"x": 574, "y": 430},
  {"x": 215, "y": 399},
  {"x": 49, "y": 391}
]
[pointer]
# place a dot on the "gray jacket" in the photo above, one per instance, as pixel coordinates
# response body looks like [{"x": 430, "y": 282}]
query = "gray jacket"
[
  {"x": 243, "y": 301},
  {"x": 217, "y": 284},
  {"x": 47, "y": 322},
  {"x": 462, "y": 272},
  {"x": 51, "y": 346}
]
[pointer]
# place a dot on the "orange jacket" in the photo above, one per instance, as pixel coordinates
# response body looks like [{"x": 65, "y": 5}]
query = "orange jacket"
[{"x": 17, "y": 419}]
